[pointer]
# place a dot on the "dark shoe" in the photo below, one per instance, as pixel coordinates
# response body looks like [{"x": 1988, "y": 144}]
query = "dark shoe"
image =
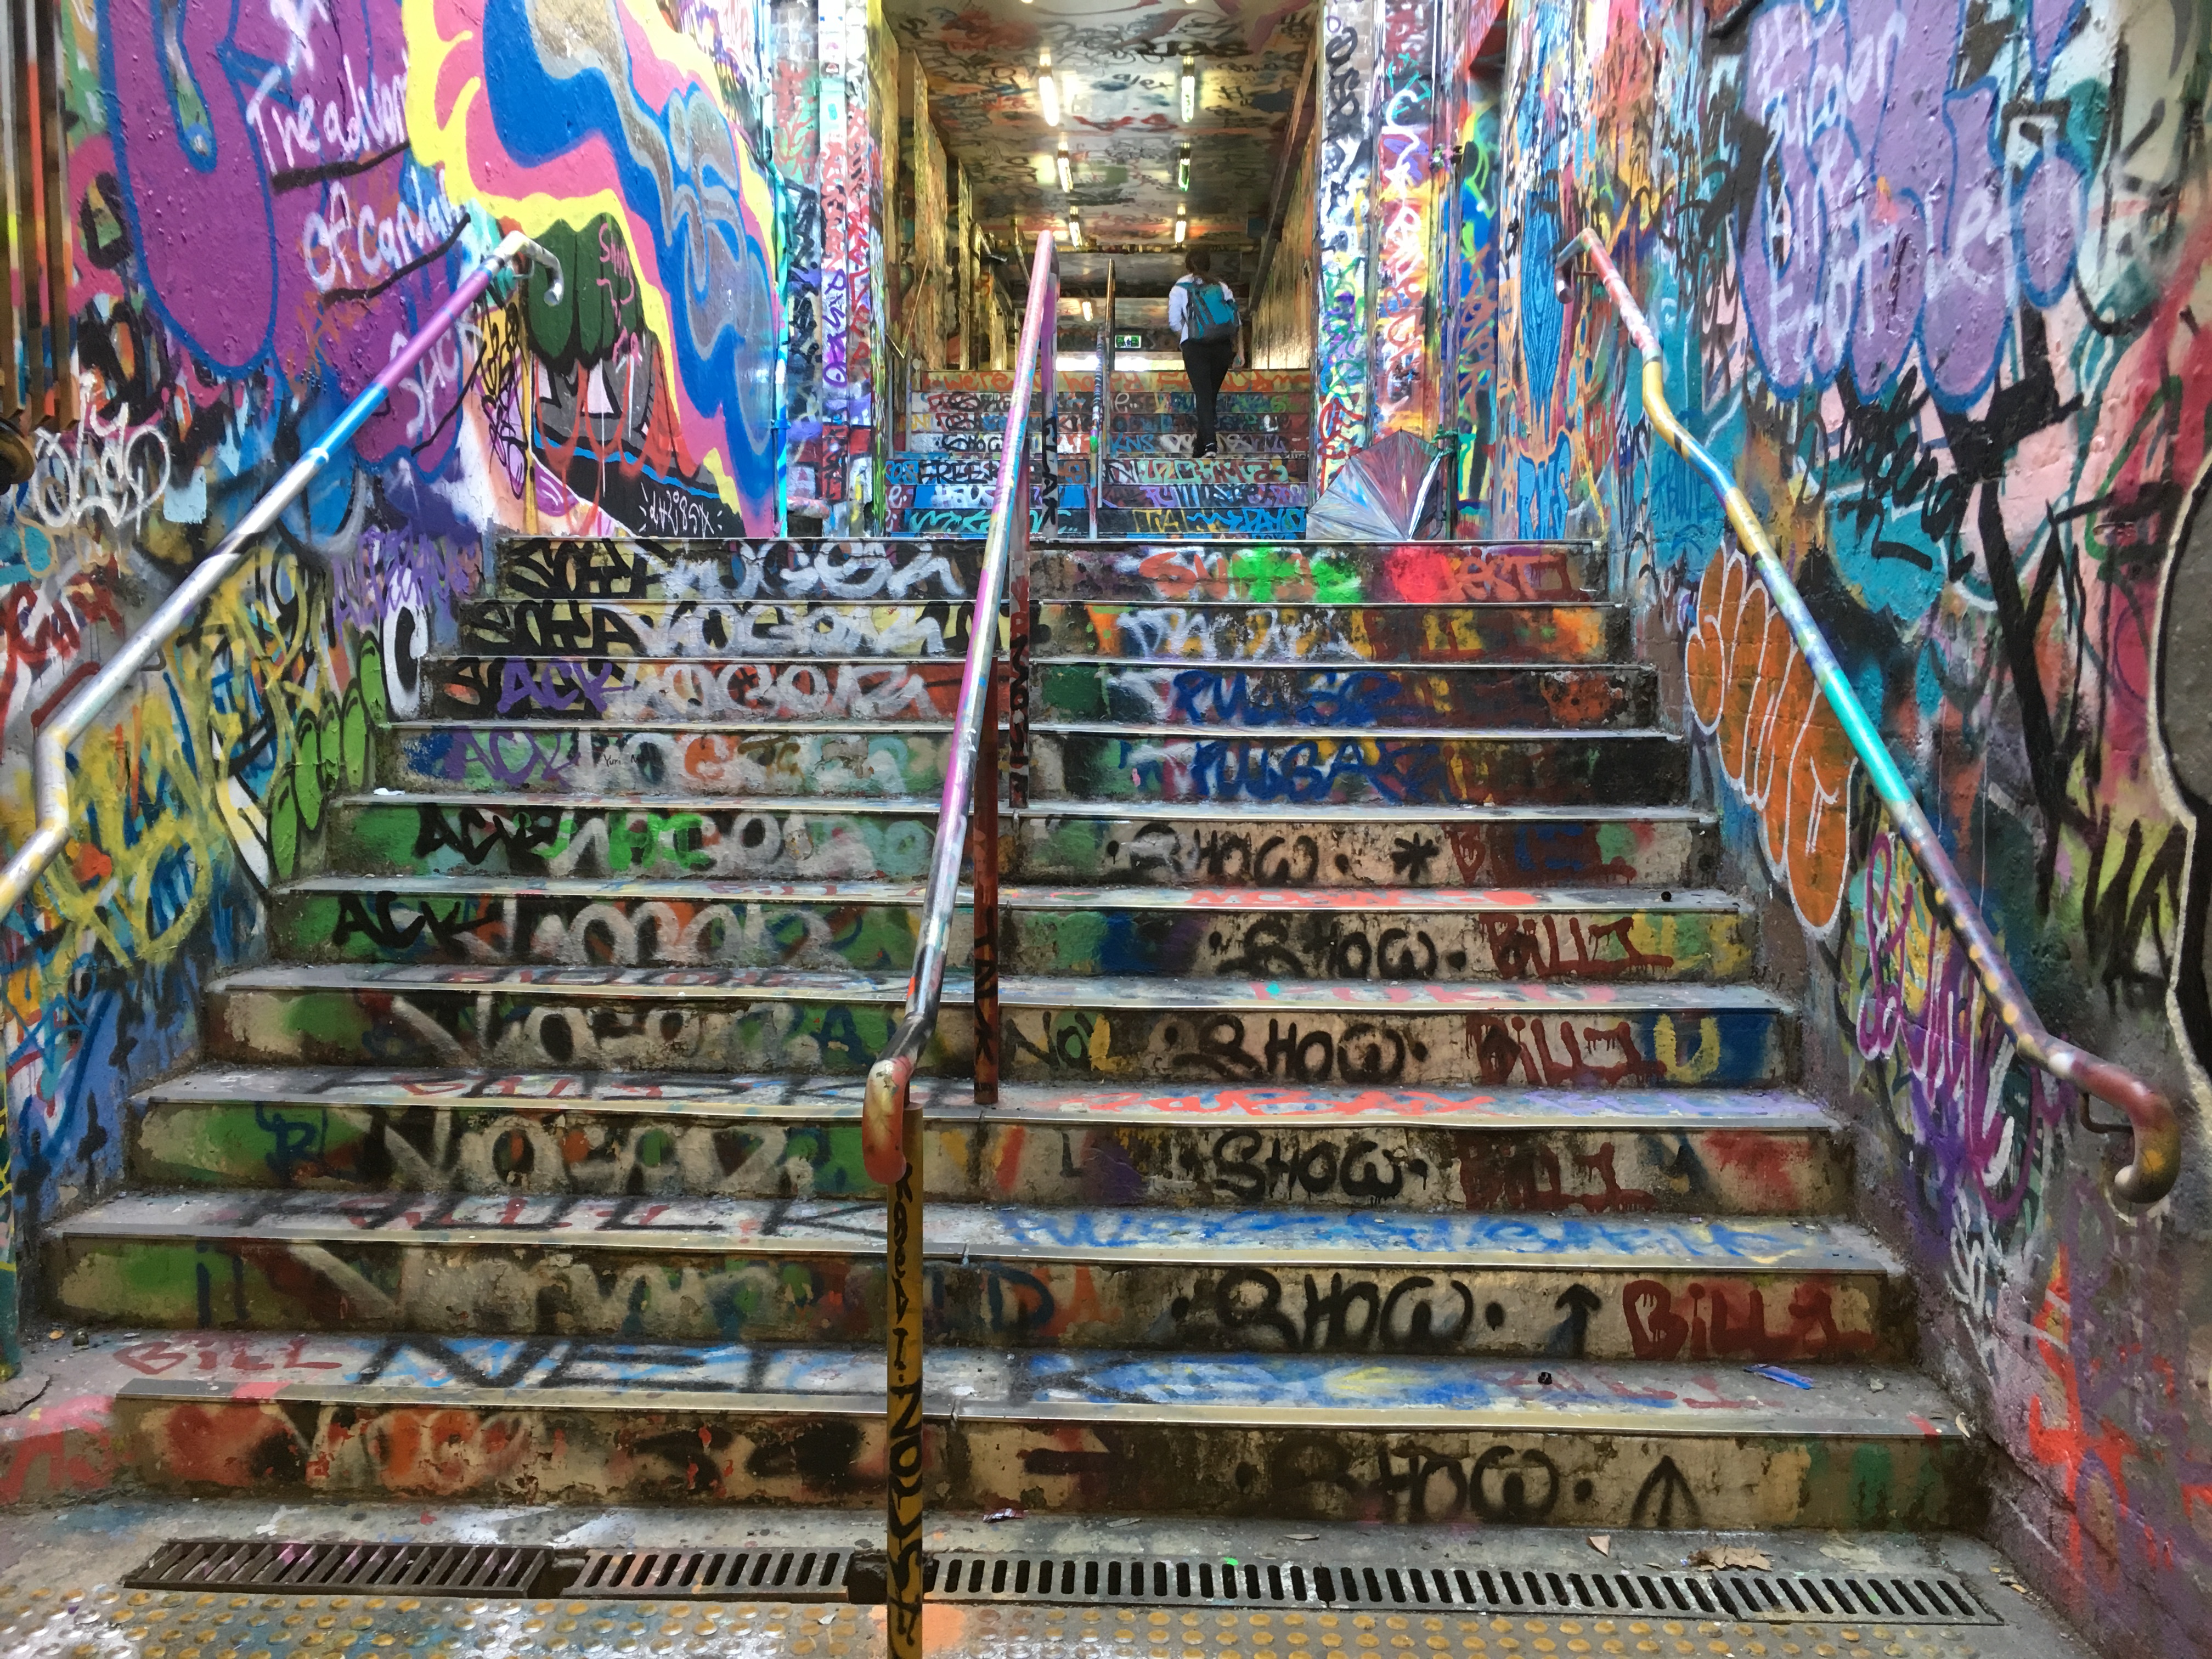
[{"x": 16, "y": 463}]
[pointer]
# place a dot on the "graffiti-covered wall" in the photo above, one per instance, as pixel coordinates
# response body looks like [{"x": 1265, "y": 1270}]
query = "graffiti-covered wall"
[
  {"x": 267, "y": 198},
  {"x": 1283, "y": 309},
  {"x": 1931, "y": 278}
]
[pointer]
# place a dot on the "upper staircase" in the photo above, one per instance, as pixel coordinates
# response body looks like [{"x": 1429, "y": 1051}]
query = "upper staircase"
[
  {"x": 1394, "y": 1128},
  {"x": 941, "y": 483}
]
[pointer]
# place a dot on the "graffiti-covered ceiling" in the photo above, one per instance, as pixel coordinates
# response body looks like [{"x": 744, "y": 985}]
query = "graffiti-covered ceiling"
[{"x": 1118, "y": 64}]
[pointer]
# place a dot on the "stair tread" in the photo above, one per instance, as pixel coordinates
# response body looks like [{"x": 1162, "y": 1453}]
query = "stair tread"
[
  {"x": 1108, "y": 1235},
  {"x": 1649, "y": 1396},
  {"x": 854, "y": 726},
  {"x": 1013, "y": 896},
  {"x": 1158, "y": 994},
  {"x": 833, "y": 1099},
  {"x": 1201, "y": 810}
]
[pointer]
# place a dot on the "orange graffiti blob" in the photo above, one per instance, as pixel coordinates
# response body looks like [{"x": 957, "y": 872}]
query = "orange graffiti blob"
[{"x": 1779, "y": 742}]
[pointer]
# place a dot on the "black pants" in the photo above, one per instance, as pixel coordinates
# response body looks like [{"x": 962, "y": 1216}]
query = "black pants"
[{"x": 1206, "y": 363}]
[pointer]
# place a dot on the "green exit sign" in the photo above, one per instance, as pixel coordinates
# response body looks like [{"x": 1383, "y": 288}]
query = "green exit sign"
[{"x": 1128, "y": 342}]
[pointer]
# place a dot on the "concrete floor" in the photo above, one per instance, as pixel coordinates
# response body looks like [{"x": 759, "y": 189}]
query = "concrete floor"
[{"x": 59, "y": 1570}]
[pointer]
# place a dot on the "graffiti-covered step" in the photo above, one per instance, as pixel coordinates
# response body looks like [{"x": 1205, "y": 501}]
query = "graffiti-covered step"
[
  {"x": 972, "y": 522},
  {"x": 902, "y": 760},
  {"x": 1347, "y": 933},
  {"x": 988, "y": 440},
  {"x": 806, "y": 571},
  {"x": 1289, "y": 521},
  {"x": 1180, "y": 692},
  {"x": 638, "y": 688},
  {"x": 392, "y": 832},
  {"x": 1442, "y": 766},
  {"x": 1622, "y": 1152},
  {"x": 1281, "y": 1437},
  {"x": 992, "y": 407},
  {"x": 1182, "y": 843},
  {"x": 1360, "y": 844},
  {"x": 1203, "y": 494},
  {"x": 700, "y": 1269},
  {"x": 1100, "y": 760},
  {"x": 1126, "y": 382},
  {"x": 1210, "y": 469},
  {"x": 769, "y": 629},
  {"x": 1325, "y": 572},
  {"x": 918, "y": 571},
  {"x": 1385, "y": 1033},
  {"x": 1303, "y": 634}
]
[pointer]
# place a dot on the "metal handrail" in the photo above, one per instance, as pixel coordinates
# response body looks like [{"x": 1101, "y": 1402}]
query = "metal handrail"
[
  {"x": 1102, "y": 422},
  {"x": 49, "y": 770},
  {"x": 2156, "y": 1161},
  {"x": 890, "y": 1129}
]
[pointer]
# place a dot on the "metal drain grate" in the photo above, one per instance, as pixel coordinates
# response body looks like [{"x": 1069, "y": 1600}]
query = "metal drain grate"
[
  {"x": 1923, "y": 1598},
  {"x": 777, "y": 1573},
  {"x": 768, "y": 1574},
  {"x": 425, "y": 1568},
  {"x": 498, "y": 1570}
]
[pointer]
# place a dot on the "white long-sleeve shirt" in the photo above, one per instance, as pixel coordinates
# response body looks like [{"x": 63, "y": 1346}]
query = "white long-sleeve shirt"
[{"x": 1179, "y": 311}]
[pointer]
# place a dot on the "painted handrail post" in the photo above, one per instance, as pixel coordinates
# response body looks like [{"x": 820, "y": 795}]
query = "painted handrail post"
[
  {"x": 2155, "y": 1163},
  {"x": 890, "y": 1126},
  {"x": 50, "y": 768}
]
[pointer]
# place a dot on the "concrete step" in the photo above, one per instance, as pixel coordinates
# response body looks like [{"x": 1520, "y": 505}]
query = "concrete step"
[
  {"x": 1077, "y": 405},
  {"x": 1600, "y": 1447},
  {"x": 1205, "y": 496},
  {"x": 1281, "y": 382},
  {"x": 1325, "y": 572},
  {"x": 693, "y": 688},
  {"x": 1393, "y": 1034},
  {"x": 1285, "y": 523},
  {"x": 1411, "y": 934},
  {"x": 649, "y": 689},
  {"x": 1310, "y": 636},
  {"x": 914, "y": 571},
  {"x": 1315, "y": 767},
  {"x": 1622, "y": 1152},
  {"x": 1211, "y": 469},
  {"x": 914, "y": 467},
  {"x": 392, "y": 833},
  {"x": 1217, "y": 695},
  {"x": 1184, "y": 843},
  {"x": 1234, "y": 442},
  {"x": 714, "y": 628},
  {"x": 800, "y": 758},
  {"x": 968, "y": 523},
  {"x": 1169, "y": 843},
  {"x": 810, "y": 571},
  {"x": 1153, "y": 422},
  {"x": 1749, "y": 1290}
]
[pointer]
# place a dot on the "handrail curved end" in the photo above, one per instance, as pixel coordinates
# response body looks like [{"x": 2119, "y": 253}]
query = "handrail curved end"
[
  {"x": 882, "y": 1114},
  {"x": 2155, "y": 1161}
]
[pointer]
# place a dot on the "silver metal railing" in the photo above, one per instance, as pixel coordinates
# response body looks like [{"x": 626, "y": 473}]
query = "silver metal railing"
[
  {"x": 49, "y": 770},
  {"x": 966, "y": 824},
  {"x": 2150, "y": 1172}
]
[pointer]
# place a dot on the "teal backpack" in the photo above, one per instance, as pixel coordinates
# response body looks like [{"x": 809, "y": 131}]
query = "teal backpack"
[{"x": 1213, "y": 311}]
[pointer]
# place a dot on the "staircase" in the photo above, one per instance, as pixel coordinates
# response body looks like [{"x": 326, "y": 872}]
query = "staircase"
[
  {"x": 940, "y": 484},
  {"x": 1396, "y": 1128}
]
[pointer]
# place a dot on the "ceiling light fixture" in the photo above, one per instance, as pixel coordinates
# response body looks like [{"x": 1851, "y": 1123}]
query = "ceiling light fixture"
[
  {"x": 1066, "y": 170},
  {"x": 1048, "y": 88},
  {"x": 1074, "y": 228},
  {"x": 1183, "y": 229},
  {"x": 1088, "y": 316},
  {"x": 1189, "y": 90},
  {"x": 1182, "y": 169}
]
